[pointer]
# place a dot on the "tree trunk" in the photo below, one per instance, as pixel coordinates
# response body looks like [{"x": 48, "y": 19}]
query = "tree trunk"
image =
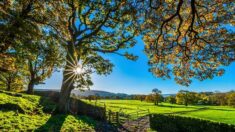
[
  {"x": 32, "y": 78},
  {"x": 186, "y": 103},
  {"x": 8, "y": 86},
  {"x": 156, "y": 100},
  {"x": 30, "y": 87},
  {"x": 64, "y": 96},
  {"x": 67, "y": 84},
  {"x": 8, "y": 83}
]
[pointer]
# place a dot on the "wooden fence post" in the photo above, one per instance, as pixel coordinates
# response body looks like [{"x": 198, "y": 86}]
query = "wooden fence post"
[
  {"x": 109, "y": 116},
  {"x": 105, "y": 116},
  {"x": 137, "y": 114},
  {"x": 117, "y": 118}
]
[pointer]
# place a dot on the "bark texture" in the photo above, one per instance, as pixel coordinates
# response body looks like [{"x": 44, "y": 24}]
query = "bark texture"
[{"x": 67, "y": 85}]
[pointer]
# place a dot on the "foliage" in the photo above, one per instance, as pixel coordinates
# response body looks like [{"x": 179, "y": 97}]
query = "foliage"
[
  {"x": 7, "y": 63},
  {"x": 42, "y": 57},
  {"x": 189, "y": 39},
  {"x": 171, "y": 99},
  {"x": 139, "y": 97},
  {"x": 170, "y": 123},
  {"x": 203, "y": 98},
  {"x": 93, "y": 97},
  {"x": 188, "y": 97},
  {"x": 23, "y": 21},
  {"x": 219, "y": 98},
  {"x": 96, "y": 28},
  {"x": 11, "y": 81},
  {"x": 31, "y": 32},
  {"x": 149, "y": 98},
  {"x": 231, "y": 99},
  {"x": 157, "y": 95},
  {"x": 14, "y": 80}
]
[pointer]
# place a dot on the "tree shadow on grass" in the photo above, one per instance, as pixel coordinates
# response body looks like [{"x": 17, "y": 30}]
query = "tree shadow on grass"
[
  {"x": 220, "y": 109},
  {"x": 57, "y": 120},
  {"x": 172, "y": 106},
  {"x": 199, "y": 109},
  {"x": 54, "y": 124},
  {"x": 188, "y": 111},
  {"x": 11, "y": 107}
]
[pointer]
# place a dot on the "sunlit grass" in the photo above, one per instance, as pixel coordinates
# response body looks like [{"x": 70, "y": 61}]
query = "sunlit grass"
[
  {"x": 223, "y": 114},
  {"x": 34, "y": 118}
]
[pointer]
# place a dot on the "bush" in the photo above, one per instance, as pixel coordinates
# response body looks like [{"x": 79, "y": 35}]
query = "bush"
[
  {"x": 172, "y": 123},
  {"x": 231, "y": 99}
]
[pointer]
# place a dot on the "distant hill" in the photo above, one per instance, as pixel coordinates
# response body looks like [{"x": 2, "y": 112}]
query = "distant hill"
[
  {"x": 99, "y": 92},
  {"x": 55, "y": 90},
  {"x": 89, "y": 92},
  {"x": 166, "y": 95}
]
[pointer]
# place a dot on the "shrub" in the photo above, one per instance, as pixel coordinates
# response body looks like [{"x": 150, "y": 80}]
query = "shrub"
[
  {"x": 172, "y": 123},
  {"x": 231, "y": 99}
]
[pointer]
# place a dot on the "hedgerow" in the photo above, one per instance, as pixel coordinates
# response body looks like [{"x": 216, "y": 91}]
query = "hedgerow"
[{"x": 173, "y": 123}]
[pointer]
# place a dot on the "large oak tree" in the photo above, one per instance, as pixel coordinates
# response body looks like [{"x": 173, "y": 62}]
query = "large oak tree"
[
  {"x": 95, "y": 27},
  {"x": 184, "y": 39}
]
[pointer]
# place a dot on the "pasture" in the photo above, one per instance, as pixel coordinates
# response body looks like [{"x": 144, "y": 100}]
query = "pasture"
[
  {"x": 223, "y": 114},
  {"x": 22, "y": 112}
]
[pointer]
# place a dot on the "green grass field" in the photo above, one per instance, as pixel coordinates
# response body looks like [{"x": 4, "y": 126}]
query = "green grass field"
[
  {"x": 34, "y": 115},
  {"x": 214, "y": 113}
]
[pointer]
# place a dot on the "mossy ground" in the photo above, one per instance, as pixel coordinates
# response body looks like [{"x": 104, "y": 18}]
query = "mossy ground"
[{"x": 33, "y": 113}]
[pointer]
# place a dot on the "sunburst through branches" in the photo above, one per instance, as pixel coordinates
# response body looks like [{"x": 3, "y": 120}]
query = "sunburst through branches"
[{"x": 78, "y": 74}]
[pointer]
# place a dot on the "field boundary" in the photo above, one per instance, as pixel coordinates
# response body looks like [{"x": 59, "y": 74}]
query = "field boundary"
[{"x": 133, "y": 120}]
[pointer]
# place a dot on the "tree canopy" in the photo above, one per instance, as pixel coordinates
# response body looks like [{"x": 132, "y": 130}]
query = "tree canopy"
[
  {"x": 95, "y": 28},
  {"x": 24, "y": 21},
  {"x": 100, "y": 27},
  {"x": 189, "y": 39},
  {"x": 183, "y": 39}
]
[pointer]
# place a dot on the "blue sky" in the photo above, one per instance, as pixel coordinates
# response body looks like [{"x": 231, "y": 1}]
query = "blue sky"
[{"x": 132, "y": 77}]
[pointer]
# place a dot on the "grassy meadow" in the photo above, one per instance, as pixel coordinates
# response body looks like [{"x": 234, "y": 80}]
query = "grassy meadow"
[
  {"x": 22, "y": 112},
  {"x": 223, "y": 114}
]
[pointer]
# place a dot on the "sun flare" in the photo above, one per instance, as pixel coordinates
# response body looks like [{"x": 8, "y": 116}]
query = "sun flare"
[{"x": 78, "y": 70}]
